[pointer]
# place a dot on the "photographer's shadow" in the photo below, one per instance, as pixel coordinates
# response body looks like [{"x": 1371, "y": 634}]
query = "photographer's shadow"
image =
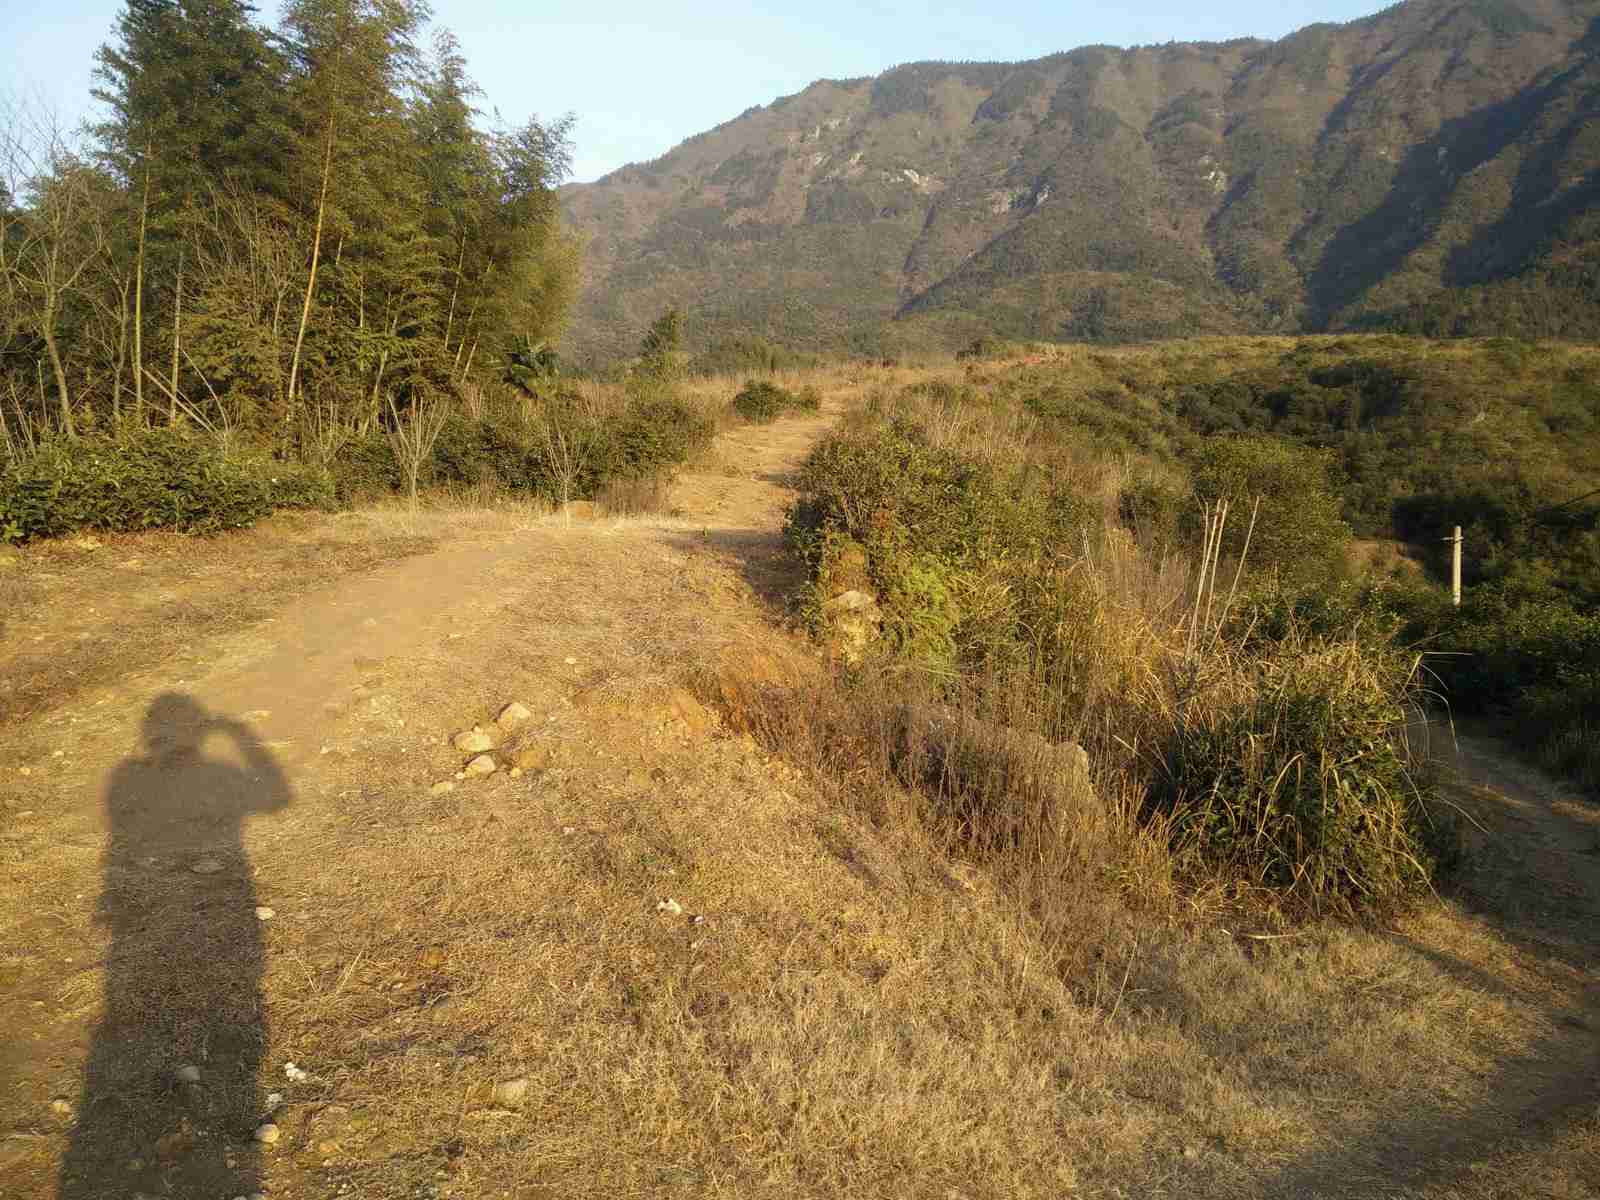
[{"x": 171, "y": 1094}]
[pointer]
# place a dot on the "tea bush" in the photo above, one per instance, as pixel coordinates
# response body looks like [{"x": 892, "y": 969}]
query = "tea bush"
[{"x": 166, "y": 478}]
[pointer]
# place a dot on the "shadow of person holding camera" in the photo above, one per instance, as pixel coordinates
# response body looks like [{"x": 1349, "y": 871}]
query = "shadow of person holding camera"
[{"x": 171, "y": 1093}]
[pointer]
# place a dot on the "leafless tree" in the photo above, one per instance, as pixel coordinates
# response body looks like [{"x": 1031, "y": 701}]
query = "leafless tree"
[{"x": 412, "y": 434}]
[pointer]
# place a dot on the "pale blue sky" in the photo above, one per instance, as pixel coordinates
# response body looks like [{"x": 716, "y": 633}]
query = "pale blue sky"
[{"x": 642, "y": 75}]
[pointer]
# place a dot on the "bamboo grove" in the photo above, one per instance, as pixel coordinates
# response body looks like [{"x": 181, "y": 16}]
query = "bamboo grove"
[{"x": 270, "y": 229}]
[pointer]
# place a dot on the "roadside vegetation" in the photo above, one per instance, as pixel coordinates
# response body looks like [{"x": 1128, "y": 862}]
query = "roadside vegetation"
[
  {"x": 1499, "y": 436},
  {"x": 1153, "y": 553}
]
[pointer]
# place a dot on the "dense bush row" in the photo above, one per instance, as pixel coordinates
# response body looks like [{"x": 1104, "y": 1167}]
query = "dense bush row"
[
  {"x": 176, "y": 478},
  {"x": 152, "y": 479}
]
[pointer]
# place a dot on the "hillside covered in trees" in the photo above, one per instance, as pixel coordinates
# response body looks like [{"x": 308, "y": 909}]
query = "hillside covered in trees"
[
  {"x": 278, "y": 231},
  {"x": 1430, "y": 169}
]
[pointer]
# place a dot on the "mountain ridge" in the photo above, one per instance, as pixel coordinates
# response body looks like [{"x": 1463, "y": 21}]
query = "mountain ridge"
[{"x": 1432, "y": 166}]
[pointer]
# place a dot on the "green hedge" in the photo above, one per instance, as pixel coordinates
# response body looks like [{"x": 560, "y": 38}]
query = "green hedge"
[
  {"x": 155, "y": 479},
  {"x": 172, "y": 478}
]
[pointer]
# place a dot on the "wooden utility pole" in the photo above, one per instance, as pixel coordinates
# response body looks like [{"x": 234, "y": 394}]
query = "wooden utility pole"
[{"x": 1455, "y": 567}]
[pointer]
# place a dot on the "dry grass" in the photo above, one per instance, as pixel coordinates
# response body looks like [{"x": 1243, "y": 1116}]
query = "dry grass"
[{"x": 872, "y": 1005}]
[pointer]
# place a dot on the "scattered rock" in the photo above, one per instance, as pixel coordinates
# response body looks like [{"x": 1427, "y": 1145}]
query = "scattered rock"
[
  {"x": 978, "y": 763},
  {"x": 695, "y": 716},
  {"x": 267, "y": 1134},
  {"x": 533, "y": 757},
  {"x": 511, "y": 1092},
  {"x": 855, "y": 621},
  {"x": 294, "y": 1074},
  {"x": 443, "y": 788},
  {"x": 206, "y": 866},
  {"x": 474, "y": 741},
  {"x": 263, "y": 913},
  {"x": 514, "y": 714},
  {"x": 188, "y": 1074},
  {"x": 484, "y": 764}
]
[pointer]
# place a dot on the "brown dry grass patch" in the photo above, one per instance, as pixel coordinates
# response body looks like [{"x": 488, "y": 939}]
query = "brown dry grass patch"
[{"x": 871, "y": 1006}]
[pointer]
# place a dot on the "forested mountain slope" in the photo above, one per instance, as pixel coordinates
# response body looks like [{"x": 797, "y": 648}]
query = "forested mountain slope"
[{"x": 1432, "y": 167}]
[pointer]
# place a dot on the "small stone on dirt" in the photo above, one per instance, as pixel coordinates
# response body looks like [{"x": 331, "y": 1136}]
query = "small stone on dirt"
[
  {"x": 511, "y": 1091},
  {"x": 513, "y": 714},
  {"x": 531, "y": 758},
  {"x": 263, "y": 913},
  {"x": 188, "y": 1074},
  {"x": 443, "y": 788},
  {"x": 571, "y": 662},
  {"x": 206, "y": 866},
  {"x": 268, "y": 1134},
  {"x": 473, "y": 741},
  {"x": 484, "y": 764}
]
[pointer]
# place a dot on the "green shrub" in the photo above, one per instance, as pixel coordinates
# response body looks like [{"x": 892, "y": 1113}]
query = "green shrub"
[
  {"x": 762, "y": 401},
  {"x": 1530, "y": 659},
  {"x": 1298, "y": 532},
  {"x": 486, "y": 453},
  {"x": 365, "y": 468},
  {"x": 164, "y": 478},
  {"x": 655, "y": 434},
  {"x": 990, "y": 346},
  {"x": 745, "y": 353}
]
